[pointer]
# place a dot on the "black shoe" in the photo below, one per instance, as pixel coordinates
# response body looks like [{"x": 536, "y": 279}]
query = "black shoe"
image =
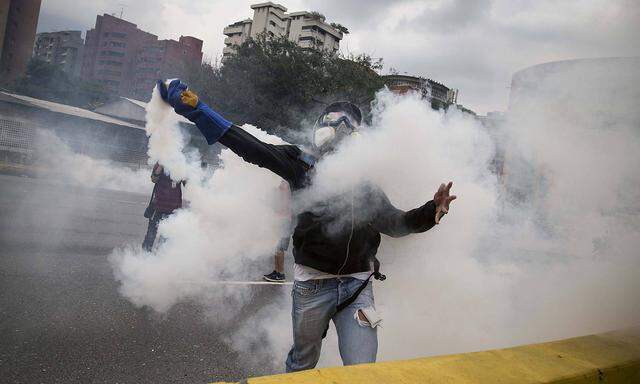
[{"x": 274, "y": 277}]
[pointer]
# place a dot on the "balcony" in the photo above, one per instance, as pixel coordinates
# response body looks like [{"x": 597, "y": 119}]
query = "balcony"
[
  {"x": 232, "y": 29},
  {"x": 321, "y": 28},
  {"x": 307, "y": 33}
]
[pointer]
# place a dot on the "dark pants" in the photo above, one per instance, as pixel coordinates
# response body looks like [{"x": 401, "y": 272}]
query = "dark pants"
[{"x": 152, "y": 230}]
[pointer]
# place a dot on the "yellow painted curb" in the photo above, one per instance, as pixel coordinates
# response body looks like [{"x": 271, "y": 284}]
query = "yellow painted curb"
[
  {"x": 21, "y": 169},
  {"x": 612, "y": 357}
]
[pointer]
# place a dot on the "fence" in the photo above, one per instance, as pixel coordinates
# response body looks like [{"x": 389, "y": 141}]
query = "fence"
[{"x": 16, "y": 141}]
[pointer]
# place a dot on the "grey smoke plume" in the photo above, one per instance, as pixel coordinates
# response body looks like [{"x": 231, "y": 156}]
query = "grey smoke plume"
[
  {"x": 57, "y": 160},
  {"x": 547, "y": 251}
]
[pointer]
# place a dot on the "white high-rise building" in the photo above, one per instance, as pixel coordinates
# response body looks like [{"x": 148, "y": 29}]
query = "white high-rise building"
[{"x": 307, "y": 29}]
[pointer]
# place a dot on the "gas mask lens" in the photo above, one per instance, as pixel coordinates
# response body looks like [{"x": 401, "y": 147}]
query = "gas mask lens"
[
  {"x": 332, "y": 127},
  {"x": 331, "y": 117}
]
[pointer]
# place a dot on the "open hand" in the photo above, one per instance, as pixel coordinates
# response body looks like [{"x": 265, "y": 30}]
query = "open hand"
[{"x": 442, "y": 199}]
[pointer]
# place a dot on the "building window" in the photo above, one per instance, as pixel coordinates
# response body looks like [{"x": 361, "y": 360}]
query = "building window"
[
  {"x": 109, "y": 72},
  {"x": 110, "y": 82},
  {"x": 117, "y": 44},
  {"x": 119, "y": 35},
  {"x": 314, "y": 28},
  {"x": 149, "y": 59},
  {"x": 111, "y": 62},
  {"x": 111, "y": 53},
  {"x": 153, "y": 50},
  {"x": 272, "y": 23}
]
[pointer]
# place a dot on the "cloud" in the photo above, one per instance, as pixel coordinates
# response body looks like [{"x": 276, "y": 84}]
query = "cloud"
[
  {"x": 477, "y": 46},
  {"x": 474, "y": 46}
]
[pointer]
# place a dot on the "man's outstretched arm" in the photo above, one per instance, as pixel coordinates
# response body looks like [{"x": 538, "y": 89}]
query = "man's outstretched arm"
[
  {"x": 282, "y": 160},
  {"x": 395, "y": 222}
]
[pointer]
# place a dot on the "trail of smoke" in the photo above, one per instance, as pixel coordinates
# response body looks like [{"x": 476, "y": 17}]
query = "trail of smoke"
[
  {"x": 498, "y": 271},
  {"x": 167, "y": 144},
  {"x": 228, "y": 223},
  {"x": 57, "y": 160}
]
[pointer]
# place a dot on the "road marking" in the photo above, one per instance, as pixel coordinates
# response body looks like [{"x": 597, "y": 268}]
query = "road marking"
[{"x": 231, "y": 282}]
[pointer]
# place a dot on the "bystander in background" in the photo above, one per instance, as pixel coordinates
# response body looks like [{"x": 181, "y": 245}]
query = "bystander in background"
[
  {"x": 284, "y": 210},
  {"x": 165, "y": 198}
]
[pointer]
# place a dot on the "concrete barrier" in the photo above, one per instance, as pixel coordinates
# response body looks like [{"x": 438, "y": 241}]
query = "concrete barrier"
[{"x": 612, "y": 357}]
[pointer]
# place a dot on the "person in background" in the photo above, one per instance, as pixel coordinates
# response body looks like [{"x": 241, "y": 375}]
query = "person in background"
[
  {"x": 166, "y": 198},
  {"x": 284, "y": 210}
]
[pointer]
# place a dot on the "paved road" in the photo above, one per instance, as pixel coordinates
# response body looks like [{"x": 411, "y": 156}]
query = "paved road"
[{"x": 61, "y": 318}]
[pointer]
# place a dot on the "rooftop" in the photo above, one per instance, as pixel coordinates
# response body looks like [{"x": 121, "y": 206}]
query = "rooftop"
[
  {"x": 298, "y": 13},
  {"x": 114, "y": 109},
  {"x": 269, "y": 4},
  {"x": 62, "y": 108},
  {"x": 412, "y": 78},
  {"x": 245, "y": 21}
]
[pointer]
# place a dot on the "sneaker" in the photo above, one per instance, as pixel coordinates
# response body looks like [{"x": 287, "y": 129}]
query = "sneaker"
[{"x": 274, "y": 277}]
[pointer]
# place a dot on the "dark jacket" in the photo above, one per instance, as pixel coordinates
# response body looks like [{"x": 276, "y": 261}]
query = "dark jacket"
[
  {"x": 167, "y": 194},
  {"x": 327, "y": 238}
]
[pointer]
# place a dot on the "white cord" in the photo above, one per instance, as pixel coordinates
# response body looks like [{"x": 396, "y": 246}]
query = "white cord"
[
  {"x": 231, "y": 282},
  {"x": 346, "y": 256}
]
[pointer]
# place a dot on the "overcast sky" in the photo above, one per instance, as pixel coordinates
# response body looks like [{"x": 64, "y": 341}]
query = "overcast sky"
[{"x": 472, "y": 45}]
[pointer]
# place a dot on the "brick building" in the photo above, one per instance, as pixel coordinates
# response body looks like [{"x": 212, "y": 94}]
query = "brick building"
[
  {"x": 164, "y": 60},
  {"x": 18, "y": 22},
  {"x": 110, "y": 53},
  {"x": 63, "y": 48},
  {"x": 128, "y": 60}
]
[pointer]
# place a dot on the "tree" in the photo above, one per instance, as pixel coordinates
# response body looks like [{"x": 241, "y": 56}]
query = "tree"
[
  {"x": 315, "y": 15},
  {"x": 48, "y": 81},
  {"x": 340, "y": 28},
  {"x": 279, "y": 86}
]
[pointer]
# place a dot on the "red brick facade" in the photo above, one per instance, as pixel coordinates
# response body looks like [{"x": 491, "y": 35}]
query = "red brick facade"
[
  {"x": 128, "y": 60},
  {"x": 18, "y": 22}
]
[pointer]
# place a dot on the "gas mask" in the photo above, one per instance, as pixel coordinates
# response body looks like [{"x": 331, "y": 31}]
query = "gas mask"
[{"x": 331, "y": 128}]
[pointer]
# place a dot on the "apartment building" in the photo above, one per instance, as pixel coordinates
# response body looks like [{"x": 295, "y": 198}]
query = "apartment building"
[
  {"x": 111, "y": 51},
  {"x": 164, "y": 60},
  {"x": 18, "y": 22},
  {"x": 128, "y": 60},
  {"x": 63, "y": 48},
  {"x": 307, "y": 29}
]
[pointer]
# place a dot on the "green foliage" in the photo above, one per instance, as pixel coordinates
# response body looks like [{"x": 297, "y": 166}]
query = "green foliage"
[
  {"x": 340, "y": 28},
  {"x": 316, "y": 16},
  {"x": 279, "y": 86},
  {"x": 48, "y": 81}
]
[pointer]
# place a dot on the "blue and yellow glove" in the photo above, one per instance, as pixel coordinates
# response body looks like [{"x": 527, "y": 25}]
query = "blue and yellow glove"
[{"x": 186, "y": 103}]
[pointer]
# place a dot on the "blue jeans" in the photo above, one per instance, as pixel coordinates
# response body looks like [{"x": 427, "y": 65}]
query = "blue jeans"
[{"x": 314, "y": 304}]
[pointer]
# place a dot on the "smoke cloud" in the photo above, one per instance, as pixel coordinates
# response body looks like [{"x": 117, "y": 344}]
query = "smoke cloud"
[
  {"x": 230, "y": 224},
  {"x": 57, "y": 160},
  {"x": 546, "y": 250}
]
